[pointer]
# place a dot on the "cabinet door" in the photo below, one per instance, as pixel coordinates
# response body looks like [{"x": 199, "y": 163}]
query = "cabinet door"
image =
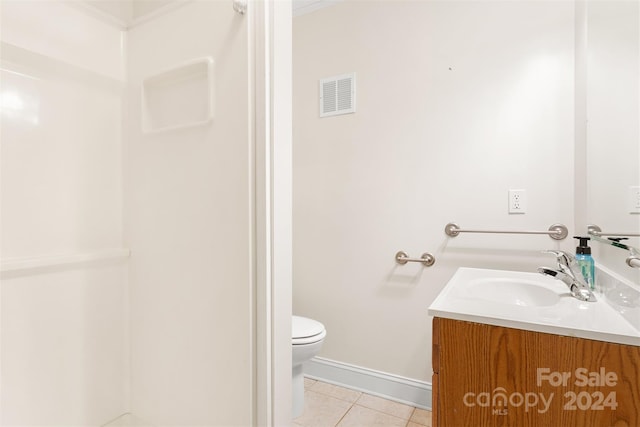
[{"x": 494, "y": 376}]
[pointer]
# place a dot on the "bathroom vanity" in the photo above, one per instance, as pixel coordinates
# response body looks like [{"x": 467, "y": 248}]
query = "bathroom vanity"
[{"x": 514, "y": 349}]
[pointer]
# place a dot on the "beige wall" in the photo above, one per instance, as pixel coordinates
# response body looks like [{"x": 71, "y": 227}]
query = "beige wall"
[{"x": 457, "y": 102}]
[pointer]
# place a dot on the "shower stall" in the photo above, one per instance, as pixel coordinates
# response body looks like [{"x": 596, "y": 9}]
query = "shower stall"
[{"x": 143, "y": 169}]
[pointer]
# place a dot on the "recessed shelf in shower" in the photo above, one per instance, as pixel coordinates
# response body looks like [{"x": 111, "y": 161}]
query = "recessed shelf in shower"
[{"x": 179, "y": 97}]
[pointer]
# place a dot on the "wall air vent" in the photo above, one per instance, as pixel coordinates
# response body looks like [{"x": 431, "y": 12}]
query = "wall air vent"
[{"x": 338, "y": 95}]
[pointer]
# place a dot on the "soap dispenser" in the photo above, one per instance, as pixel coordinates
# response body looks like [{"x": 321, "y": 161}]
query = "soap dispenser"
[{"x": 585, "y": 261}]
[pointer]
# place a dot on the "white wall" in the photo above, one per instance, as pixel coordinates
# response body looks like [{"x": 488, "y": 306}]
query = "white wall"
[
  {"x": 188, "y": 224},
  {"x": 457, "y": 102},
  {"x": 63, "y": 320}
]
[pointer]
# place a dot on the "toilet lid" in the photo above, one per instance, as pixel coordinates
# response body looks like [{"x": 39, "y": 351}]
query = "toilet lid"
[{"x": 303, "y": 328}]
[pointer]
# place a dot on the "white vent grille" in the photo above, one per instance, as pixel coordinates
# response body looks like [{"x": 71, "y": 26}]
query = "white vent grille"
[{"x": 338, "y": 95}]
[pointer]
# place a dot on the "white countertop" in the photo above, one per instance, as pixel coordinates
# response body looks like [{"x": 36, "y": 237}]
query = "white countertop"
[{"x": 463, "y": 298}]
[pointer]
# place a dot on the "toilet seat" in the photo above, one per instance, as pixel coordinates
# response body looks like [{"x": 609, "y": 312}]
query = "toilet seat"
[
  {"x": 306, "y": 331},
  {"x": 307, "y": 337}
]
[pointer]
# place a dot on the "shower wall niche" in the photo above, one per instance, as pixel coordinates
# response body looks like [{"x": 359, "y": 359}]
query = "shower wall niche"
[{"x": 178, "y": 97}]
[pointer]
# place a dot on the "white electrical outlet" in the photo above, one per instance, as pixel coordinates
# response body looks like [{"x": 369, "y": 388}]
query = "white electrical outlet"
[
  {"x": 517, "y": 201},
  {"x": 634, "y": 199}
]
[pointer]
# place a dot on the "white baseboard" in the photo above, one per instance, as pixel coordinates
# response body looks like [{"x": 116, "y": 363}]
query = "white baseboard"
[{"x": 404, "y": 390}]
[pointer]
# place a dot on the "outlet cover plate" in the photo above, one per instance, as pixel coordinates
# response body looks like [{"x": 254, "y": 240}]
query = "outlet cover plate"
[
  {"x": 517, "y": 201},
  {"x": 634, "y": 199}
]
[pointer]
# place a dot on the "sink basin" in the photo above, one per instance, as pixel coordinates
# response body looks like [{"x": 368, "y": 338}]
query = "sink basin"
[
  {"x": 530, "y": 301},
  {"x": 512, "y": 291}
]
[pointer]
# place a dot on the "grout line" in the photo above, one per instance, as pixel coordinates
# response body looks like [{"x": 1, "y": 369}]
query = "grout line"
[
  {"x": 345, "y": 414},
  {"x": 410, "y": 420},
  {"x": 410, "y": 417}
]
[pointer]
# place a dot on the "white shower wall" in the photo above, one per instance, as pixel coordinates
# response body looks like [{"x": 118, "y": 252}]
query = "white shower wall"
[
  {"x": 88, "y": 332},
  {"x": 63, "y": 334},
  {"x": 187, "y": 222}
]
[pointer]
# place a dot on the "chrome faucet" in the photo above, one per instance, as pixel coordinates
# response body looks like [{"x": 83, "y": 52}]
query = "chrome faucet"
[{"x": 569, "y": 273}]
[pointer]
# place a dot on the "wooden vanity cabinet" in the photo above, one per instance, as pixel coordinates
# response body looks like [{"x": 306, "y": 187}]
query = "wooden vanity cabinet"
[{"x": 495, "y": 376}]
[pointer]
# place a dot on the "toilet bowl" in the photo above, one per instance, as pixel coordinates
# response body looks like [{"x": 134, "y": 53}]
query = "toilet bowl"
[{"x": 307, "y": 336}]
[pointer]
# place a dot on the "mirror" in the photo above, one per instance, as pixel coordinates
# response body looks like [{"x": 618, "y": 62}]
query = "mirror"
[{"x": 612, "y": 166}]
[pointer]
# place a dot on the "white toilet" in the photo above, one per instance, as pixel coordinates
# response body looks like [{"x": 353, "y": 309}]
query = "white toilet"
[{"x": 307, "y": 336}]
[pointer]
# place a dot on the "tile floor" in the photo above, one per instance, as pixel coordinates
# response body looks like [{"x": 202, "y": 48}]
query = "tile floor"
[{"x": 327, "y": 405}]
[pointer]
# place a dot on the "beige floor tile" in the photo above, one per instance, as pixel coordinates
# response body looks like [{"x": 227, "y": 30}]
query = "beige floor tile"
[
  {"x": 321, "y": 410},
  {"x": 308, "y": 383},
  {"x": 421, "y": 417},
  {"x": 341, "y": 393},
  {"x": 412, "y": 424},
  {"x": 359, "y": 416},
  {"x": 387, "y": 406}
]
